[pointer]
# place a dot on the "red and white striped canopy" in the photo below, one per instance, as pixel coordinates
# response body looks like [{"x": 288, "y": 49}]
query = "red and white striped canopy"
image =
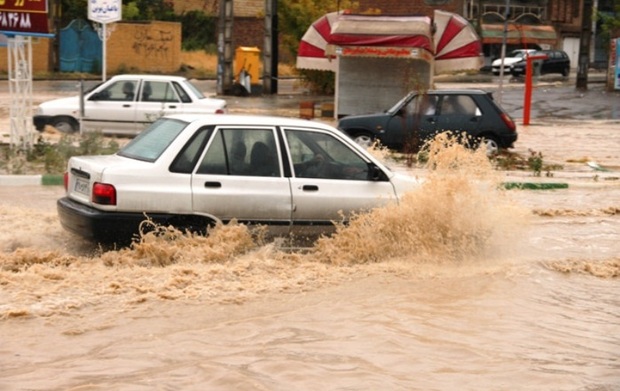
[
  {"x": 455, "y": 44},
  {"x": 311, "y": 53}
]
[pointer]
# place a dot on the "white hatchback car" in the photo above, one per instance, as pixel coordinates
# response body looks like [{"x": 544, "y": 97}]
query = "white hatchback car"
[
  {"x": 192, "y": 171},
  {"x": 512, "y": 58},
  {"x": 126, "y": 104}
]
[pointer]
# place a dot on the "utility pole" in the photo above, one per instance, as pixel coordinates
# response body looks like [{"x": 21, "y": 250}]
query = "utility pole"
[
  {"x": 225, "y": 48},
  {"x": 584, "y": 45},
  {"x": 270, "y": 48}
]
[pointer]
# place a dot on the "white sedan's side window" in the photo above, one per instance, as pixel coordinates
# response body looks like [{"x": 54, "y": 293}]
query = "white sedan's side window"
[
  {"x": 320, "y": 155},
  {"x": 248, "y": 152},
  {"x": 158, "y": 91},
  {"x": 122, "y": 90}
]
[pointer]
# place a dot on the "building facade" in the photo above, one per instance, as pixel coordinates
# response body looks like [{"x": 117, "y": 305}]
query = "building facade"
[{"x": 545, "y": 24}]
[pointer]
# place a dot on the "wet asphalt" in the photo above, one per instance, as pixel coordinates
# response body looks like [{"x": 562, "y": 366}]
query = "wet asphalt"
[{"x": 553, "y": 97}]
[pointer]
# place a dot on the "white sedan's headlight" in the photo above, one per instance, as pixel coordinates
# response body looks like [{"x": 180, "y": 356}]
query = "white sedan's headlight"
[{"x": 38, "y": 110}]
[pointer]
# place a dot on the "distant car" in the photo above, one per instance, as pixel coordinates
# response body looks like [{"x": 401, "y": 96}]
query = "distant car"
[
  {"x": 125, "y": 104},
  {"x": 510, "y": 59},
  {"x": 556, "y": 61},
  {"x": 192, "y": 171},
  {"x": 419, "y": 116}
]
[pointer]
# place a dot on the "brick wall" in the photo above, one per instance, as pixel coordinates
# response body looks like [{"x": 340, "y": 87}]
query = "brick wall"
[
  {"x": 249, "y": 32},
  {"x": 41, "y": 51},
  {"x": 208, "y": 6},
  {"x": 132, "y": 47},
  {"x": 411, "y": 8},
  {"x": 145, "y": 47},
  {"x": 242, "y": 8}
]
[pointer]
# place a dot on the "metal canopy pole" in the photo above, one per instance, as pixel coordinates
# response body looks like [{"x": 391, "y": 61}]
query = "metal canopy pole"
[
  {"x": 503, "y": 54},
  {"x": 104, "y": 30},
  {"x": 20, "y": 87}
]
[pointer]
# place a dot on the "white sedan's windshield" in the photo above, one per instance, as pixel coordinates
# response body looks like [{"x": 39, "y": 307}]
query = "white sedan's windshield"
[
  {"x": 188, "y": 85},
  {"x": 154, "y": 140}
]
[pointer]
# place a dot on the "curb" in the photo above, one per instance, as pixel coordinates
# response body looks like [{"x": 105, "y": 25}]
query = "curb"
[{"x": 31, "y": 180}]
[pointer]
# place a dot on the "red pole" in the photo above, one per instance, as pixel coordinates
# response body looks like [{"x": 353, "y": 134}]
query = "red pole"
[{"x": 527, "y": 98}]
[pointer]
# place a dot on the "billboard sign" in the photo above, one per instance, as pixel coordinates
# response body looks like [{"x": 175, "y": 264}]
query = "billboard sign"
[
  {"x": 24, "y": 16},
  {"x": 105, "y": 11}
]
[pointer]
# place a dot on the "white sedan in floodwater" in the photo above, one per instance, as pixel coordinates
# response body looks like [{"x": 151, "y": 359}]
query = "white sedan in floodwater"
[
  {"x": 126, "y": 104},
  {"x": 192, "y": 171},
  {"x": 512, "y": 58}
]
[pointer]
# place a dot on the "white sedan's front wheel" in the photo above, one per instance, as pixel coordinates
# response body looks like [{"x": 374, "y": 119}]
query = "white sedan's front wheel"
[{"x": 65, "y": 124}]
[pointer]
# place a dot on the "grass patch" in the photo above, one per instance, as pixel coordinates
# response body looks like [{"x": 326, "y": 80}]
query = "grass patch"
[{"x": 51, "y": 157}]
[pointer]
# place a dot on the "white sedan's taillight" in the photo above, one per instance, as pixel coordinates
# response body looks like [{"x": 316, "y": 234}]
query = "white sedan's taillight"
[{"x": 104, "y": 194}]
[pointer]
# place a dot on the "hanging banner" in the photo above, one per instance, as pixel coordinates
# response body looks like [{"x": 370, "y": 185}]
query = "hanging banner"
[{"x": 24, "y": 16}]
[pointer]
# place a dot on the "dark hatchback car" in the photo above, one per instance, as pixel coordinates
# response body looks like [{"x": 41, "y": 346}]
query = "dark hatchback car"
[
  {"x": 420, "y": 116},
  {"x": 557, "y": 61}
]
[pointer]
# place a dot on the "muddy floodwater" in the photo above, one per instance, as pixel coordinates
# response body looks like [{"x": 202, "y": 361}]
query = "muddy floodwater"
[{"x": 463, "y": 286}]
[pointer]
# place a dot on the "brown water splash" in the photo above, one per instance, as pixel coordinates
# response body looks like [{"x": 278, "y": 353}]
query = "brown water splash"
[
  {"x": 458, "y": 213},
  {"x": 607, "y": 268}
]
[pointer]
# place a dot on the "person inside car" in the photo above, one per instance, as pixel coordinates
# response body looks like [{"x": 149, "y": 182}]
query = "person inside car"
[{"x": 128, "y": 90}]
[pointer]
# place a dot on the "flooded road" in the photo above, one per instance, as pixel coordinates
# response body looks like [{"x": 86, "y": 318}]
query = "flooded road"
[{"x": 461, "y": 287}]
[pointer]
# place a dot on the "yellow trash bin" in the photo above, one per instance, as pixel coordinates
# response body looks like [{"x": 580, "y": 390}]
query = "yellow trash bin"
[{"x": 247, "y": 59}]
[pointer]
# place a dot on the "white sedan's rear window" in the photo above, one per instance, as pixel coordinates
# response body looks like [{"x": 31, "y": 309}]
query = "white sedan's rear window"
[{"x": 154, "y": 140}]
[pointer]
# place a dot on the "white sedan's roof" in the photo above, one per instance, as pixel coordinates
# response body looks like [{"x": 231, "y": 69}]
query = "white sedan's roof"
[
  {"x": 150, "y": 77},
  {"x": 243, "y": 119}
]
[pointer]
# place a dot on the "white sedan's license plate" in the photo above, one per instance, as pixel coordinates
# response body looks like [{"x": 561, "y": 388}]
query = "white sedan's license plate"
[{"x": 81, "y": 186}]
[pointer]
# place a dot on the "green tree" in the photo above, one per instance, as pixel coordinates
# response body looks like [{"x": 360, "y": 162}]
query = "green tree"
[
  {"x": 294, "y": 19},
  {"x": 610, "y": 23}
]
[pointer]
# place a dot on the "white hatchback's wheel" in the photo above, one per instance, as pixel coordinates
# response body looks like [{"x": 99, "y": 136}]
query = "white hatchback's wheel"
[{"x": 364, "y": 139}]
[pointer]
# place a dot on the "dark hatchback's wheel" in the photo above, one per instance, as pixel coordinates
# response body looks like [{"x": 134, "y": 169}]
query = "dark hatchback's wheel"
[
  {"x": 65, "y": 124},
  {"x": 491, "y": 144},
  {"x": 364, "y": 139},
  {"x": 566, "y": 71}
]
